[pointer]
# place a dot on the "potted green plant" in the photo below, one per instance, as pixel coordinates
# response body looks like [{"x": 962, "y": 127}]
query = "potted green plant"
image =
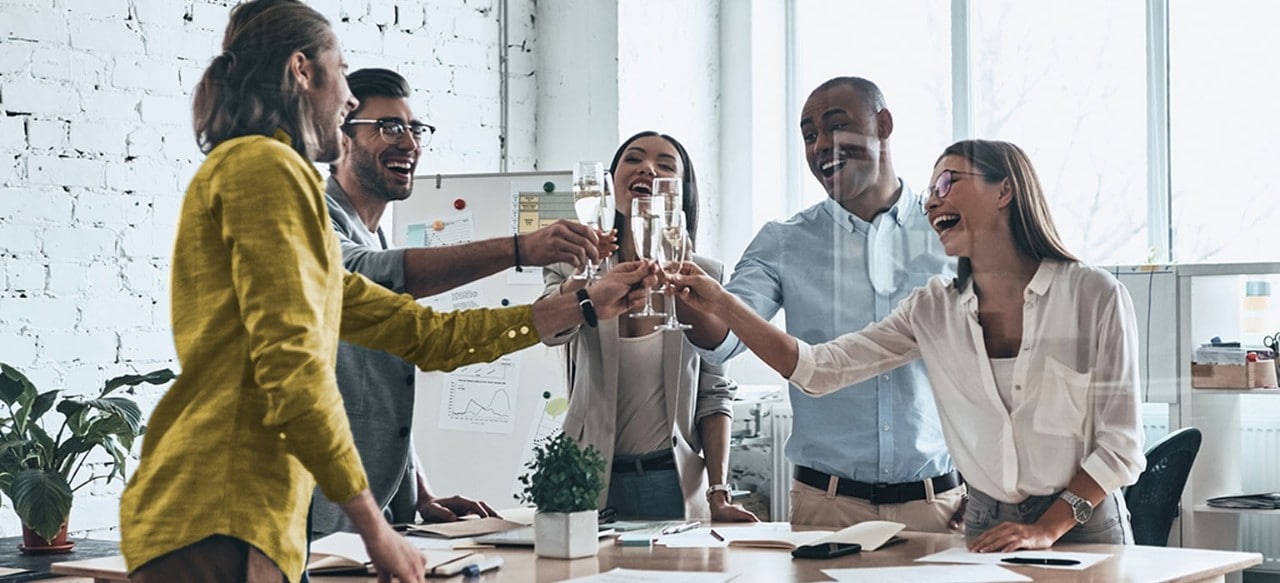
[
  {"x": 564, "y": 484},
  {"x": 41, "y": 471}
]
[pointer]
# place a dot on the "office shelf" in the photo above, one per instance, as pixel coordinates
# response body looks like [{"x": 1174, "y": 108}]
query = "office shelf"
[
  {"x": 1242, "y": 511},
  {"x": 1265, "y": 391}
]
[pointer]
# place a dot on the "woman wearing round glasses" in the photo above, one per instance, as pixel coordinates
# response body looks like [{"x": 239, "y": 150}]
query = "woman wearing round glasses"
[
  {"x": 1032, "y": 356},
  {"x": 658, "y": 415}
]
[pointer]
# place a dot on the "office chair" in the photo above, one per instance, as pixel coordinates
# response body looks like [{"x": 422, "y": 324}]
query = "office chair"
[{"x": 1153, "y": 499}]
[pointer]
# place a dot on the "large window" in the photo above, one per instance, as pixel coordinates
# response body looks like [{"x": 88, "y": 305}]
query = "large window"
[
  {"x": 1065, "y": 81},
  {"x": 1081, "y": 87},
  {"x": 1223, "y": 124}
]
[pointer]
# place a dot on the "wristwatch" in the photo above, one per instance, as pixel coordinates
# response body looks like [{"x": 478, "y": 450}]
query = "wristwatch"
[
  {"x": 1081, "y": 509},
  {"x": 720, "y": 488}
]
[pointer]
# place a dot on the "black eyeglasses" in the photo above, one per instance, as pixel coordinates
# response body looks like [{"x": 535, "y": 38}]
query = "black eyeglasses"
[
  {"x": 941, "y": 187},
  {"x": 392, "y": 130}
]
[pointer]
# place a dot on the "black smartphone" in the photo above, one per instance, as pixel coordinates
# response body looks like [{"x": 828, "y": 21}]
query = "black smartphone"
[{"x": 825, "y": 550}]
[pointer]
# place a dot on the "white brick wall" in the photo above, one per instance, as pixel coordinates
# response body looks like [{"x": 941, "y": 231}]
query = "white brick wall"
[{"x": 96, "y": 150}]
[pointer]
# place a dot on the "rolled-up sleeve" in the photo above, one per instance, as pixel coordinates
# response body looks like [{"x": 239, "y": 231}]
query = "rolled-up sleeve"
[
  {"x": 715, "y": 391},
  {"x": 1117, "y": 458}
]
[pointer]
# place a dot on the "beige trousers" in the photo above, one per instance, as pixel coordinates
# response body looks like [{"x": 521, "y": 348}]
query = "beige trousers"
[{"x": 813, "y": 507}]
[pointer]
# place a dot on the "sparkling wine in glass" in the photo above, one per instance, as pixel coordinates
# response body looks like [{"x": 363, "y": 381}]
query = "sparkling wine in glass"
[
  {"x": 673, "y": 250},
  {"x": 608, "y": 212},
  {"x": 646, "y": 229},
  {"x": 588, "y": 197}
]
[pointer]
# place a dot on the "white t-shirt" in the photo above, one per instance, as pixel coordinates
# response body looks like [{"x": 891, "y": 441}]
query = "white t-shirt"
[{"x": 642, "y": 405}]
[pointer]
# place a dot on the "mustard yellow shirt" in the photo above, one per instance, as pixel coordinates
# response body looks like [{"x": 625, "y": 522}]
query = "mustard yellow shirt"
[{"x": 260, "y": 299}]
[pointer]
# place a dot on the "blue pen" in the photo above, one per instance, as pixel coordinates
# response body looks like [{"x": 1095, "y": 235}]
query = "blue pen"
[{"x": 478, "y": 568}]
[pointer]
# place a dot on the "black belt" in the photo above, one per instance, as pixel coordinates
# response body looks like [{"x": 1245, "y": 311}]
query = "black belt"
[
  {"x": 877, "y": 493},
  {"x": 662, "y": 462}
]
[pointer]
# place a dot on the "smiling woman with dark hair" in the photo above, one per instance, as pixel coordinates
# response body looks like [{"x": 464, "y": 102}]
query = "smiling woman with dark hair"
[
  {"x": 658, "y": 414},
  {"x": 1032, "y": 356}
]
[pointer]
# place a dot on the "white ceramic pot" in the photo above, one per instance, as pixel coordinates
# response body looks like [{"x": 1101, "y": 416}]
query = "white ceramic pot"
[{"x": 560, "y": 535}]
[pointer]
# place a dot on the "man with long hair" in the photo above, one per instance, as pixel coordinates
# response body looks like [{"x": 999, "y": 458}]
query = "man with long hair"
[{"x": 259, "y": 300}]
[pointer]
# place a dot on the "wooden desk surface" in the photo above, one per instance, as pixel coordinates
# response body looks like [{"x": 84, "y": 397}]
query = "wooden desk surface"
[{"x": 1134, "y": 563}]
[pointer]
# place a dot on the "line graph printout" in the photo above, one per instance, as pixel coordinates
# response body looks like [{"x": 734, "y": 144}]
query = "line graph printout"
[{"x": 481, "y": 397}]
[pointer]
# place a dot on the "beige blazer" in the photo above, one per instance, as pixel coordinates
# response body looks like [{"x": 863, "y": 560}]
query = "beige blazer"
[{"x": 694, "y": 389}]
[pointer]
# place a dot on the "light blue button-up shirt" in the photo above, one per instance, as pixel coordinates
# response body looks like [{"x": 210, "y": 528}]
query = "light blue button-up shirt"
[{"x": 834, "y": 273}]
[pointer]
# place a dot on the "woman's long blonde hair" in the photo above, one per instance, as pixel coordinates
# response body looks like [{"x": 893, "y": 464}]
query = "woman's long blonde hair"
[{"x": 1034, "y": 234}]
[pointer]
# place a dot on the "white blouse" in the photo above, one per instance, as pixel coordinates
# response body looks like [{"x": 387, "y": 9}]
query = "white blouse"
[{"x": 1075, "y": 394}]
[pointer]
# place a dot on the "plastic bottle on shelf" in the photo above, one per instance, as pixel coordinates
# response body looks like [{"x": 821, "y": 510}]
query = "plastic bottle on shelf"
[{"x": 1257, "y": 315}]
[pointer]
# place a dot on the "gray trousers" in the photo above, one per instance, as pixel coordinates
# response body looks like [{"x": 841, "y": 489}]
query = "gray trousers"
[{"x": 1109, "y": 523}]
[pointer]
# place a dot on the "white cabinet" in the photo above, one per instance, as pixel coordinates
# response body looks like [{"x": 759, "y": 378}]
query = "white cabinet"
[{"x": 1210, "y": 299}]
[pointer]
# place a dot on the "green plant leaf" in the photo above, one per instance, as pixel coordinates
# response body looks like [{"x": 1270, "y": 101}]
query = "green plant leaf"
[
  {"x": 42, "y": 404},
  {"x": 13, "y": 384},
  {"x": 120, "y": 408},
  {"x": 564, "y": 477},
  {"x": 45, "y": 449},
  {"x": 42, "y": 500},
  {"x": 155, "y": 377}
]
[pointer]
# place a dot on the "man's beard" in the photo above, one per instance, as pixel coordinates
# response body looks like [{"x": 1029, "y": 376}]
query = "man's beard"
[
  {"x": 328, "y": 147},
  {"x": 368, "y": 171}
]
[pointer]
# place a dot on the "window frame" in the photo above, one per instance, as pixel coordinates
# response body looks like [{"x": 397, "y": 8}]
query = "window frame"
[{"x": 1159, "y": 192}]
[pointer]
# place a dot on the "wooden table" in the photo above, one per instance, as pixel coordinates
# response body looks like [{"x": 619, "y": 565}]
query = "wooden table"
[{"x": 1133, "y": 563}]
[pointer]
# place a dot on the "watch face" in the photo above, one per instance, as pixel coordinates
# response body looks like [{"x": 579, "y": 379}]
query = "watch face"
[{"x": 1082, "y": 511}]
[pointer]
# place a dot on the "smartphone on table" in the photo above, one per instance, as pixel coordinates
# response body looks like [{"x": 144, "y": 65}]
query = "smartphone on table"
[{"x": 825, "y": 550}]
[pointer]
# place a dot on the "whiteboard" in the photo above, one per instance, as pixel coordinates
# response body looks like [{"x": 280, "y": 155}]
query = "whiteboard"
[
  {"x": 1154, "y": 290},
  {"x": 472, "y": 428}
]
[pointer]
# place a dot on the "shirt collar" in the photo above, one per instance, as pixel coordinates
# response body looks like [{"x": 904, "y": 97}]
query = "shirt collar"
[
  {"x": 899, "y": 212},
  {"x": 1039, "y": 284},
  {"x": 1044, "y": 276},
  {"x": 283, "y": 136}
]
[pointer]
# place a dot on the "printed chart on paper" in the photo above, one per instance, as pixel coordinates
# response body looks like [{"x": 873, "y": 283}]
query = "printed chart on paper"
[{"x": 481, "y": 397}]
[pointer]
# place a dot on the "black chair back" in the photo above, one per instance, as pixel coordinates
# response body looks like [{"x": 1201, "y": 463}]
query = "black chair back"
[{"x": 1153, "y": 499}]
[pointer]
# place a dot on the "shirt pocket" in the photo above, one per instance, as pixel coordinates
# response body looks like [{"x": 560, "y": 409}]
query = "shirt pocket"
[{"x": 1063, "y": 400}]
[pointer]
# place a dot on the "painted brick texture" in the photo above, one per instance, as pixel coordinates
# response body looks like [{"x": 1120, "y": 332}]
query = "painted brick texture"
[{"x": 96, "y": 149}]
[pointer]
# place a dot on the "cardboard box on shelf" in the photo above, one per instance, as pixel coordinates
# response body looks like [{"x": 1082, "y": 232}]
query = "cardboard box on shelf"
[{"x": 1253, "y": 375}]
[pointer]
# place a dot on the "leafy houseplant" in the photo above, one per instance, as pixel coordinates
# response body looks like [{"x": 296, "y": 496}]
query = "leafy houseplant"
[
  {"x": 564, "y": 484},
  {"x": 40, "y": 472}
]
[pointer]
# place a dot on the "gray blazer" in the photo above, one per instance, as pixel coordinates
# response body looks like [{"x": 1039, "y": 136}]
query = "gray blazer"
[
  {"x": 377, "y": 388},
  {"x": 694, "y": 389}
]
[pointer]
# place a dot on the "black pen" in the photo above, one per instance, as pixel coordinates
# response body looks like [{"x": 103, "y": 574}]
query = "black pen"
[{"x": 1040, "y": 561}]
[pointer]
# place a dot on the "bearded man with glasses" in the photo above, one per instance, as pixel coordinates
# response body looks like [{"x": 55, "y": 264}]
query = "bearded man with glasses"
[{"x": 383, "y": 141}]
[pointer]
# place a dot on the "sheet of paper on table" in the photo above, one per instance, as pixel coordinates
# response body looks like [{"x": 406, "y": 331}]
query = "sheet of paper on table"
[
  {"x": 961, "y": 555},
  {"x": 620, "y": 575},
  {"x": 929, "y": 574}
]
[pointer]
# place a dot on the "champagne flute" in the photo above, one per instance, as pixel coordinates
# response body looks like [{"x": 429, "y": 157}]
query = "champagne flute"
[
  {"x": 671, "y": 191},
  {"x": 588, "y": 195},
  {"x": 646, "y": 228},
  {"x": 674, "y": 248},
  {"x": 608, "y": 212}
]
